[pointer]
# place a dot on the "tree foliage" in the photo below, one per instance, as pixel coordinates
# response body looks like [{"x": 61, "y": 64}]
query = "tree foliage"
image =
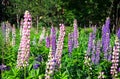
[{"x": 56, "y": 11}]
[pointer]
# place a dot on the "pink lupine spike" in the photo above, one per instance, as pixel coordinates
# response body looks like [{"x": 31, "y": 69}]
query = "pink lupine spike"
[
  {"x": 55, "y": 60},
  {"x": 59, "y": 49},
  {"x": 24, "y": 48},
  {"x": 115, "y": 58},
  {"x": 13, "y": 35}
]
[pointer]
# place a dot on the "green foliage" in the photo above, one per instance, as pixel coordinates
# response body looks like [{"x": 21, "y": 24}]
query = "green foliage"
[
  {"x": 72, "y": 65},
  {"x": 57, "y": 11}
]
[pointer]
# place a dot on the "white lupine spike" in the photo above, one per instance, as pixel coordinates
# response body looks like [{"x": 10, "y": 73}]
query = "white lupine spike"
[
  {"x": 13, "y": 35},
  {"x": 42, "y": 36},
  {"x": 115, "y": 58}
]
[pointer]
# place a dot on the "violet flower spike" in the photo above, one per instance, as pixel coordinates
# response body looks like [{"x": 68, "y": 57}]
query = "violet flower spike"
[
  {"x": 76, "y": 34},
  {"x": 70, "y": 43}
]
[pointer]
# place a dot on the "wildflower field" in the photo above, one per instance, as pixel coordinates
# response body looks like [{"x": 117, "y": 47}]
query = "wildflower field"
[{"x": 61, "y": 52}]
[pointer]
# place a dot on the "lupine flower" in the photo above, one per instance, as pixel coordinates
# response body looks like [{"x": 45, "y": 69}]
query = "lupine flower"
[
  {"x": 42, "y": 36},
  {"x": 4, "y": 67},
  {"x": 101, "y": 75},
  {"x": 21, "y": 26},
  {"x": 55, "y": 60},
  {"x": 97, "y": 56},
  {"x": 36, "y": 66},
  {"x": 106, "y": 37},
  {"x": 24, "y": 48},
  {"x": 90, "y": 43},
  {"x": 47, "y": 41},
  {"x": 53, "y": 40},
  {"x": 119, "y": 69},
  {"x": 60, "y": 43},
  {"x": 76, "y": 34},
  {"x": 39, "y": 58},
  {"x": 70, "y": 43},
  {"x": 118, "y": 33},
  {"x": 115, "y": 58},
  {"x": 13, "y": 35},
  {"x": 87, "y": 63},
  {"x": 56, "y": 29},
  {"x": 93, "y": 52},
  {"x": 107, "y": 23},
  {"x": 3, "y": 25},
  {"x": 110, "y": 54},
  {"x": 50, "y": 65},
  {"x": 7, "y": 32},
  {"x": 94, "y": 31},
  {"x": 106, "y": 45}
]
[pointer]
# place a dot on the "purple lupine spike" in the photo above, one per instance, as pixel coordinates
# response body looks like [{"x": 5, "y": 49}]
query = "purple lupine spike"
[
  {"x": 53, "y": 40},
  {"x": 109, "y": 57},
  {"x": 3, "y": 29},
  {"x": 55, "y": 60},
  {"x": 39, "y": 58},
  {"x": 106, "y": 37},
  {"x": 119, "y": 69},
  {"x": 70, "y": 43},
  {"x": 47, "y": 41},
  {"x": 107, "y": 22},
  {"x": 90, "y": 42},
  {"x": 97, "y": 56},
  {"x": 118, "y": 33},
  {"x": 106, "y": 45},
  {"x": 94, "y": 31},
  {"x": 93, "y": 52},
  {"x": 36, "y": 66},
  {"x": 76, "y": 34}
]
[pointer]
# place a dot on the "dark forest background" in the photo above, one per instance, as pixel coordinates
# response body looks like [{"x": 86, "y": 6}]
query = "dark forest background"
[{"x": 47, "y": 12}]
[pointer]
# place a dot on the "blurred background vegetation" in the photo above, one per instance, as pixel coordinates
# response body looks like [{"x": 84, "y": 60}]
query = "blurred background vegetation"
[{"x": 47, "y": 12}]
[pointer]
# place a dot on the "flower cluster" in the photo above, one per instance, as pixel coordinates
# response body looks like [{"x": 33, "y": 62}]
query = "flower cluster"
[
  {"x": 93, "y": 57},
  {"x": 50, "y": 65},
  {"x": 115, "y": 58},
  {"x": 13, "y": 35},
  {"x": 42, "y": 36},
  {"x": 54, "y": 57},
  {"x": 90, "y": 44},
  {"x": 47, "y": 41},
  {"x": 118, "y": 33},
  {"x": 7, "y": 34},
  {"x": 70, "y": 42},
  {"x": 24, "y": 48},
  {"x": 53, "y": 40},
  {"x": 101, "y": 75},
  {"x": 75, "y": 34},
  {"x": 87, "y": 63},
  {"x": 106, "y": 37},
  {"x": 3, "y": 25},
  {"x": 60, "y": 41},
  {"x": 4, "y": 67},
  {"x": 97, "y": 54}
]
